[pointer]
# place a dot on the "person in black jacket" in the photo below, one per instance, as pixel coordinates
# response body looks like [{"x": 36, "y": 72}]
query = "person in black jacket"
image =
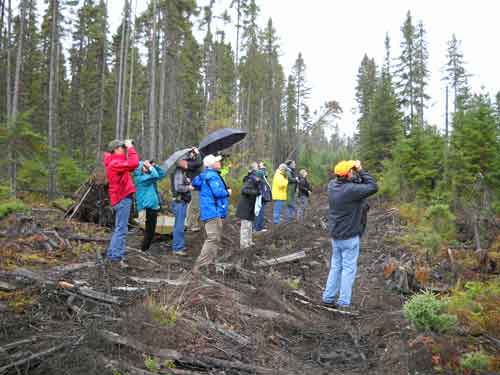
[
  {"x": 263, "y": 198},
  {"x": 347, "y": 200},
  {"x": 246, "y": 208},
  {"x": 305, "y": 191},
  {"x": 194, "y": 164}
]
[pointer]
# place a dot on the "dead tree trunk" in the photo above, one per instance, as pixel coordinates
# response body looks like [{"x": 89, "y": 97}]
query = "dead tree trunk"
[
  {"x": 152, "y": 89},
  {"x": 124, "y": 71},
  {"x": 100, "y": 120},
  {"x": 53, "y": 61},
  {"x": 163, "y": 72},
  {"x": 118, "y": 125},
  {"x": 131, "y": 84},
  {"x": 15, "y": 96}
]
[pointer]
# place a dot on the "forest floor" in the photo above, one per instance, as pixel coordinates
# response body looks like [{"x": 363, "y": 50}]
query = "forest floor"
[{"x": 254, "y": 312}]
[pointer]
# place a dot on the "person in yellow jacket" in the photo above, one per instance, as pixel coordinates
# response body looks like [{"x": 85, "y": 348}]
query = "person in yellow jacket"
[{"x": 280, "y": 185}]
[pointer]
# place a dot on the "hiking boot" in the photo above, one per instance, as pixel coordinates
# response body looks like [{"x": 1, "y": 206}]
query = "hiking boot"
[
  {"x": 122, "y": 264},
  {"x": 331, "y": 305},
  {"x": 346, "y": 308},
  {"x": 180, "y": 253}
]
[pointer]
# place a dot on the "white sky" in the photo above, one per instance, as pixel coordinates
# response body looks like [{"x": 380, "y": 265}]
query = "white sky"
[{"x": 334, "y": 35}]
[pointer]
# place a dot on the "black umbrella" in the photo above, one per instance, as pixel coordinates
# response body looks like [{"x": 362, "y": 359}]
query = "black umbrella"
[
  {"x": 220, "y": 140},
  {"x": 174, "y": 158}
]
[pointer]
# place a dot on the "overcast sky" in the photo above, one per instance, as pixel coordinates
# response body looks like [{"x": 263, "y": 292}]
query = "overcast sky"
[{"x": 334, "y": 35}]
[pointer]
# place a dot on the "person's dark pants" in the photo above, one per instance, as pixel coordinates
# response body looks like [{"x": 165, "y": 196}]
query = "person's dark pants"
[
  {"x": 259, "y": 220},
  {"x": 149, "y": 233}
]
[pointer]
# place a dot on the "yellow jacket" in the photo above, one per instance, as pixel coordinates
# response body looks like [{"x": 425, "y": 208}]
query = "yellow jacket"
[{"x": 280, "y": 183}]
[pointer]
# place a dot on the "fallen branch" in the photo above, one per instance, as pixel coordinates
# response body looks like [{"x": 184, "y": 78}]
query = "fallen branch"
[
  {"x": 7, "y": 287},
  {"x": 159, "y": 281},
  {"x": 132, "y": 370},
  {"x": 33, "y": 357},
  {"x": 74, "y": 267},
  {"x": 240, "y": 339},
  {"x": 302, "y": 299},
  {"x": 284, "y": 259},
  {"x": 86, "y": 239},
  {"x": 195, "y": 360},
  {"x": 15, "y": 344}
]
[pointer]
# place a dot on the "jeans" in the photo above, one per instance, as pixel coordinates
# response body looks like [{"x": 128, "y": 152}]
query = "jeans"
[
  {"x": 291, "y": 212},
  {"x": 259, "y": 219},
  {"x": 149, "y": 232},
  {"x": 342, "y": 271},
  {"x": 116, "y": 249},
  {"x": 179, "y": 208},
  {"x": 303, "y": 204},
  {"x": 278, "y": 205}
]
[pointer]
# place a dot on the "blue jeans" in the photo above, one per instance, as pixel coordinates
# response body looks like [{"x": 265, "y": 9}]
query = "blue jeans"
[
  {"x": 180, "y": 209},
  {"x": 278, "y": 205},
  {"x": 291, "y": 211},
  {"x": 259, "y": 220},
  {"x": 342, "y": 271},
  {"x": 116, "y": 249}
]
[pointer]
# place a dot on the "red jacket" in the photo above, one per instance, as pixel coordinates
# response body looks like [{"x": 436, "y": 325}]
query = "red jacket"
[{"x": 118, "y": 169}]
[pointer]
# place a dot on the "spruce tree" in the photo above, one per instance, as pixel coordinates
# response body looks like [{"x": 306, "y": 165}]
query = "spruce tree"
[
  {"x": 421, "y": 72},
  {"x": 455, "y": 73},
  {"x": 406, "y": 71}
]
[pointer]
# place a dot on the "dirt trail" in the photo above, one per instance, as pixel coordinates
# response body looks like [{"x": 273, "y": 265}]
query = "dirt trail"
[{"x": 244, "y": 315}]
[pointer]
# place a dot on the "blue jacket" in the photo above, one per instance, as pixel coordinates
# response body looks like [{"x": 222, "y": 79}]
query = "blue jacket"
[
  {"x": 145, "y": 184},
  {"x": 214, "y": 197}
]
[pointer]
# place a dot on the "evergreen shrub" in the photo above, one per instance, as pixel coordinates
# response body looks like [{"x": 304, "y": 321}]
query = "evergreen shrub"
[{"x": 428, "y": 313}]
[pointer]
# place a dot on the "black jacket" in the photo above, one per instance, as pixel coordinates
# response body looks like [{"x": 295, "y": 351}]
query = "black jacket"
[
  {"x": 304, "y": 187},
  {"x": 249, "y": 193},
  {"x": 348, "y": 206}
]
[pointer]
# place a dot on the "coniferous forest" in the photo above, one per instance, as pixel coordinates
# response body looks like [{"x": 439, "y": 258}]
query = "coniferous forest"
[{"x": 171, "y": 73}]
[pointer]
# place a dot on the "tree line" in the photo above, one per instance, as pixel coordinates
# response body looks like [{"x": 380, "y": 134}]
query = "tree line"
[
  {"x": 414, "y": 159},
  {"x": 69, "y": 85}
]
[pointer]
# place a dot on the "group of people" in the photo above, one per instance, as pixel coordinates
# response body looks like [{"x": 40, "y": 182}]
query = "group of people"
[
  {"x": 290, "y": 189},
  {"x": 199, "y": 192},
  {"x": 290, "y": 192}
]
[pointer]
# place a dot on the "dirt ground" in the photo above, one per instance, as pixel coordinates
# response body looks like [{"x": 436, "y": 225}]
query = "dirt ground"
[{"x": 238, "y": 317}]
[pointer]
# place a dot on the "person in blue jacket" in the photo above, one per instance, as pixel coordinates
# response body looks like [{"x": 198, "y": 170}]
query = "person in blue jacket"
[
  {"x": 147, "y": 197},
  {"x": 214, "y": 204}
]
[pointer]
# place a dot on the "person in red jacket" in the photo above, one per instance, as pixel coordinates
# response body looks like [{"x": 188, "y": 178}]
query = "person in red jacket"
[{"x": 120, "y": 161}]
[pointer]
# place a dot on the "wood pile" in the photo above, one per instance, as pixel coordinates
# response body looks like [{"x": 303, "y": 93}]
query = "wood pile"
[{"x": 92, "y": 201}]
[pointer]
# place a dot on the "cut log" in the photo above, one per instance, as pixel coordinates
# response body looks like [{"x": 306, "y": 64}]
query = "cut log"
[
  {"x": 88, "y": 292},
  {"x": 188, "y": 359},
  {"x": 284, "y": 259},
  {"x": 30, "y": 275}
]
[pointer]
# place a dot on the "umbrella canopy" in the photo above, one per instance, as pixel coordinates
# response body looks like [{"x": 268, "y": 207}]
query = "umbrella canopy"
[
  {"x": 220, "y": 140},
  {"x": 174, "y": 158}
]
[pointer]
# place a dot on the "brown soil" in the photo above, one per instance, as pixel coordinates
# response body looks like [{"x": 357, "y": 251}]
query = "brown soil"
[{"x": 222, "y": 314}]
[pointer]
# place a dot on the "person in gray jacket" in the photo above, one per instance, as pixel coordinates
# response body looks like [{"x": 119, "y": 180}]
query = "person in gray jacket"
[
  {"x": 181, "y": 192},
  {"x": 347, "y": 195}
]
